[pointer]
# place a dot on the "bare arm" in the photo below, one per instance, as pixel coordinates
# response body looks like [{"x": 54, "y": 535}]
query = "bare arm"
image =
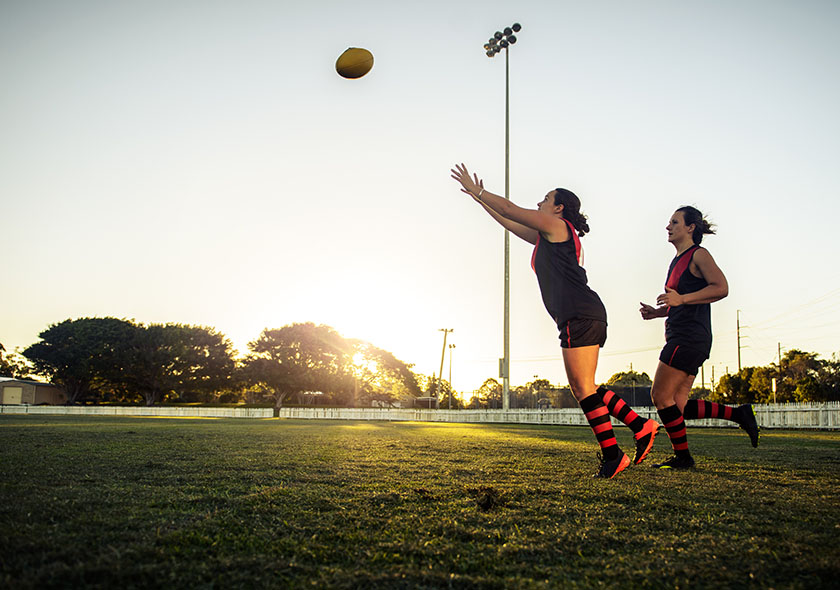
[
  {"x": 702, "y": 265},
  {"x": 519, "y": 230},
  {"x": 525, "y": 223},
  {"x": 649, "y": 312}
]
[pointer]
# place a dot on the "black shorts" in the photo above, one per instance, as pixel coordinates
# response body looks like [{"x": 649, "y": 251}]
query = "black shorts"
[
  {"x": 576, "y": 333},
  {"x": 685, "y": 358}
]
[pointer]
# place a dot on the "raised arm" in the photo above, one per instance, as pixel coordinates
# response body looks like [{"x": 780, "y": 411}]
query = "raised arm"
[{"x": 525, "y": 223}]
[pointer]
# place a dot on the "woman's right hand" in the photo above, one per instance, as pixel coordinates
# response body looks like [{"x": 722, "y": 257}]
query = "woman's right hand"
[
  {"x": 471, "y": 186},
  {"x": 648, "y": 311}
]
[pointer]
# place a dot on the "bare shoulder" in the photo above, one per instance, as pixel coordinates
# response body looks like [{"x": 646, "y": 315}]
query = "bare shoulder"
[
  {"x": 558, "y": 230},
  {"x": 702, "y": 255}
]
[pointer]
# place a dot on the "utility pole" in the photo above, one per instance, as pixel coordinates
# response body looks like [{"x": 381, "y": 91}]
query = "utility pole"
[
  {"x": 446, "y": 332},
  {"x": 451, "y": 390},
  {"x": 738, "y": 332},
  {"x": 780, "y": 372}
]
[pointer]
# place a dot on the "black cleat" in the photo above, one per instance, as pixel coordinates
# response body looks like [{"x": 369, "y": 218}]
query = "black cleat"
[
  {"x": 677, "y": 462},
  {"x": 609, "y": 469},
  {"x": 746, "y": 419}
]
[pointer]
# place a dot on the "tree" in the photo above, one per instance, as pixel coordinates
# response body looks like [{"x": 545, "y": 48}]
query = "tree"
[
  {"x": 761, "y": 383},
  {"x": 81, "y": 356},
  {"x": 13, "y": 365},
  {"x": 189, "y": 363},
  {"x": 298, "y": 358},
  {"x": 379, "y": 376},
  {"x": 831, "y": 379},
  {"x": 735, "y": 388},
  {"x": 700, "y": 393},
  {"x": 801, "y": 372},
  {"x": 528, "y": 395},
  {"x": 490, "y": 394},
  {"x": 630, "y": 378}
]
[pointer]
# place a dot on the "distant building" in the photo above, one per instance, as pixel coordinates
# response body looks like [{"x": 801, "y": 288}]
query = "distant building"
[{"x": 16, "y": 392}]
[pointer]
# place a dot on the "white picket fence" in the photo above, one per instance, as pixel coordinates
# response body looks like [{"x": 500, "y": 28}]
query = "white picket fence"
[
  {"x": 825, "y": 416},
  {"x": 822, "y": 416},
  {"x": 163, "y": 411}
]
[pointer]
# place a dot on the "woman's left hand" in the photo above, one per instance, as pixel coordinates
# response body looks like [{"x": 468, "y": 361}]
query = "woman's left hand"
[
  {"x": 670, "y": 298},
  {"x": 471, "y": 186}
]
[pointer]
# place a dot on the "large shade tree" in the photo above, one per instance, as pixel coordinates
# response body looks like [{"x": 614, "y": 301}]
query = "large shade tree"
[
  {"x": 82, "y": 356},
  {"x": 379, "y": 376},
  {"x": 298, "y": 358},
  {"x": 177, "y": 361}
]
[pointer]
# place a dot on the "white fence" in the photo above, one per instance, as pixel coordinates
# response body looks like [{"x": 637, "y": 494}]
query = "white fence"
[
  {"x": 824, "y": 416},
  {"x": 165, "y": 411}
]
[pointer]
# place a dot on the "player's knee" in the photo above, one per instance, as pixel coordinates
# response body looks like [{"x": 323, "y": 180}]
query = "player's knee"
[{"x": 661, "y": 399}]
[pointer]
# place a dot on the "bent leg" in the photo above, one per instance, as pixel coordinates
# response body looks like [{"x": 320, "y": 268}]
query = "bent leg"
[
  {"x": 743, "y": 416},
  {"x": 670, "y": 387}
]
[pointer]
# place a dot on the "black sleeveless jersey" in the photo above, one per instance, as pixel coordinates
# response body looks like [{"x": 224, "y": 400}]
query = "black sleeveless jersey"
[
  {"x": 689, "y": 325},
  {"x": 563, "y": 282}
]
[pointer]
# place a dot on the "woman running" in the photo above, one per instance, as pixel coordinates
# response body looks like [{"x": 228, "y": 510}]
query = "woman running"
[
  {"x": 554, "y": 229},
  {"x": 694, "y": 282}
]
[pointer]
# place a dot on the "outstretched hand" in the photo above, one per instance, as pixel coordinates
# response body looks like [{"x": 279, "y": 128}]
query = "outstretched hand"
[{"x": 472, "y": 186}]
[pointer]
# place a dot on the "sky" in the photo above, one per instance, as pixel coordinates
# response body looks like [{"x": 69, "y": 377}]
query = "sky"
[{"x": 201, "y": 162}]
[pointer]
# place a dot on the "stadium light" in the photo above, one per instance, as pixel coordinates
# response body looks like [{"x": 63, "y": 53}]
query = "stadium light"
[{"x": 502, "y": 40}]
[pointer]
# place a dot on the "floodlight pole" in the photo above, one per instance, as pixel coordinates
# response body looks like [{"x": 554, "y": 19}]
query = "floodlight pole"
[
  {"x": 445, "y": 331},
  {"x": 506, "y": 374},
  {"x": 451, "y": 390},
  {"x": 496, "y": 43}
]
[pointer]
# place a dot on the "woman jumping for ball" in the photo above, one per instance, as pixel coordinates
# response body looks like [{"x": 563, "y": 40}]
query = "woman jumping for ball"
[
  {"x": 694, "y": 282},
  {"x": 554, "y": 229}
]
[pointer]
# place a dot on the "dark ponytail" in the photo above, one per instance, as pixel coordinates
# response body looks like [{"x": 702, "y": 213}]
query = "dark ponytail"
[
  {"x": 701, "y": 224},
  {"x": 571, "y": 209}
]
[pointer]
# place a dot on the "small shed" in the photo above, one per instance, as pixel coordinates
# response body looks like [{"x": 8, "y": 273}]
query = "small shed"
[{"x": 15, "y": 392}]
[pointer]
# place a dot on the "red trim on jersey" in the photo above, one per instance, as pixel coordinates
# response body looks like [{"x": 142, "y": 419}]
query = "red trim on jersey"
[
  {"x": 534, "y": 254},
  {"x": 576, "y": 239},
  {"x": 680, "y": 268}
]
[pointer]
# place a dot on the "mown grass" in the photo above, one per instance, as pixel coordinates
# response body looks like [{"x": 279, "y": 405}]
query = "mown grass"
[{"x": 105, "y": 502}]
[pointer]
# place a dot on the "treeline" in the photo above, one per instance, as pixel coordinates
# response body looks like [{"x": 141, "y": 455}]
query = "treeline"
[
  {"x": 110, "y": 360},
  {"x": 799, "y": 377}
]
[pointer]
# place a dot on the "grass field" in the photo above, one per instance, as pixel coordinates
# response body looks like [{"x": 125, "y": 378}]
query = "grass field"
[{"x": 104, "y": 502}]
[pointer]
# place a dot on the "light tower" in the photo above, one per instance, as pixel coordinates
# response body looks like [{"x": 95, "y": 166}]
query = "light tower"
[{"x": 499, "y": 41}]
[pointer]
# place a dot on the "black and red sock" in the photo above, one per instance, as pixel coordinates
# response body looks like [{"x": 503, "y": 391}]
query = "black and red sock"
[
  {"x": 674, "y": 424},
  {"x": 696, "y": 409},
  {"x": 621, "y": 409},
  {"x": 599, "y": 420}
]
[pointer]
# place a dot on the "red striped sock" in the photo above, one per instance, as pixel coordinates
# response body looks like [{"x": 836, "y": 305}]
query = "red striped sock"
[
  {"x": 696, "y": 409},
  {"x": 621, "y": 410},
  {"x": 672, "y": 418},
  {"x": 598, "y": 417}
]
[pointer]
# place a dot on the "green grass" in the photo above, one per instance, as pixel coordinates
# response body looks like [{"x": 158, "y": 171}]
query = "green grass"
[{"x": 149, "y": 502}]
